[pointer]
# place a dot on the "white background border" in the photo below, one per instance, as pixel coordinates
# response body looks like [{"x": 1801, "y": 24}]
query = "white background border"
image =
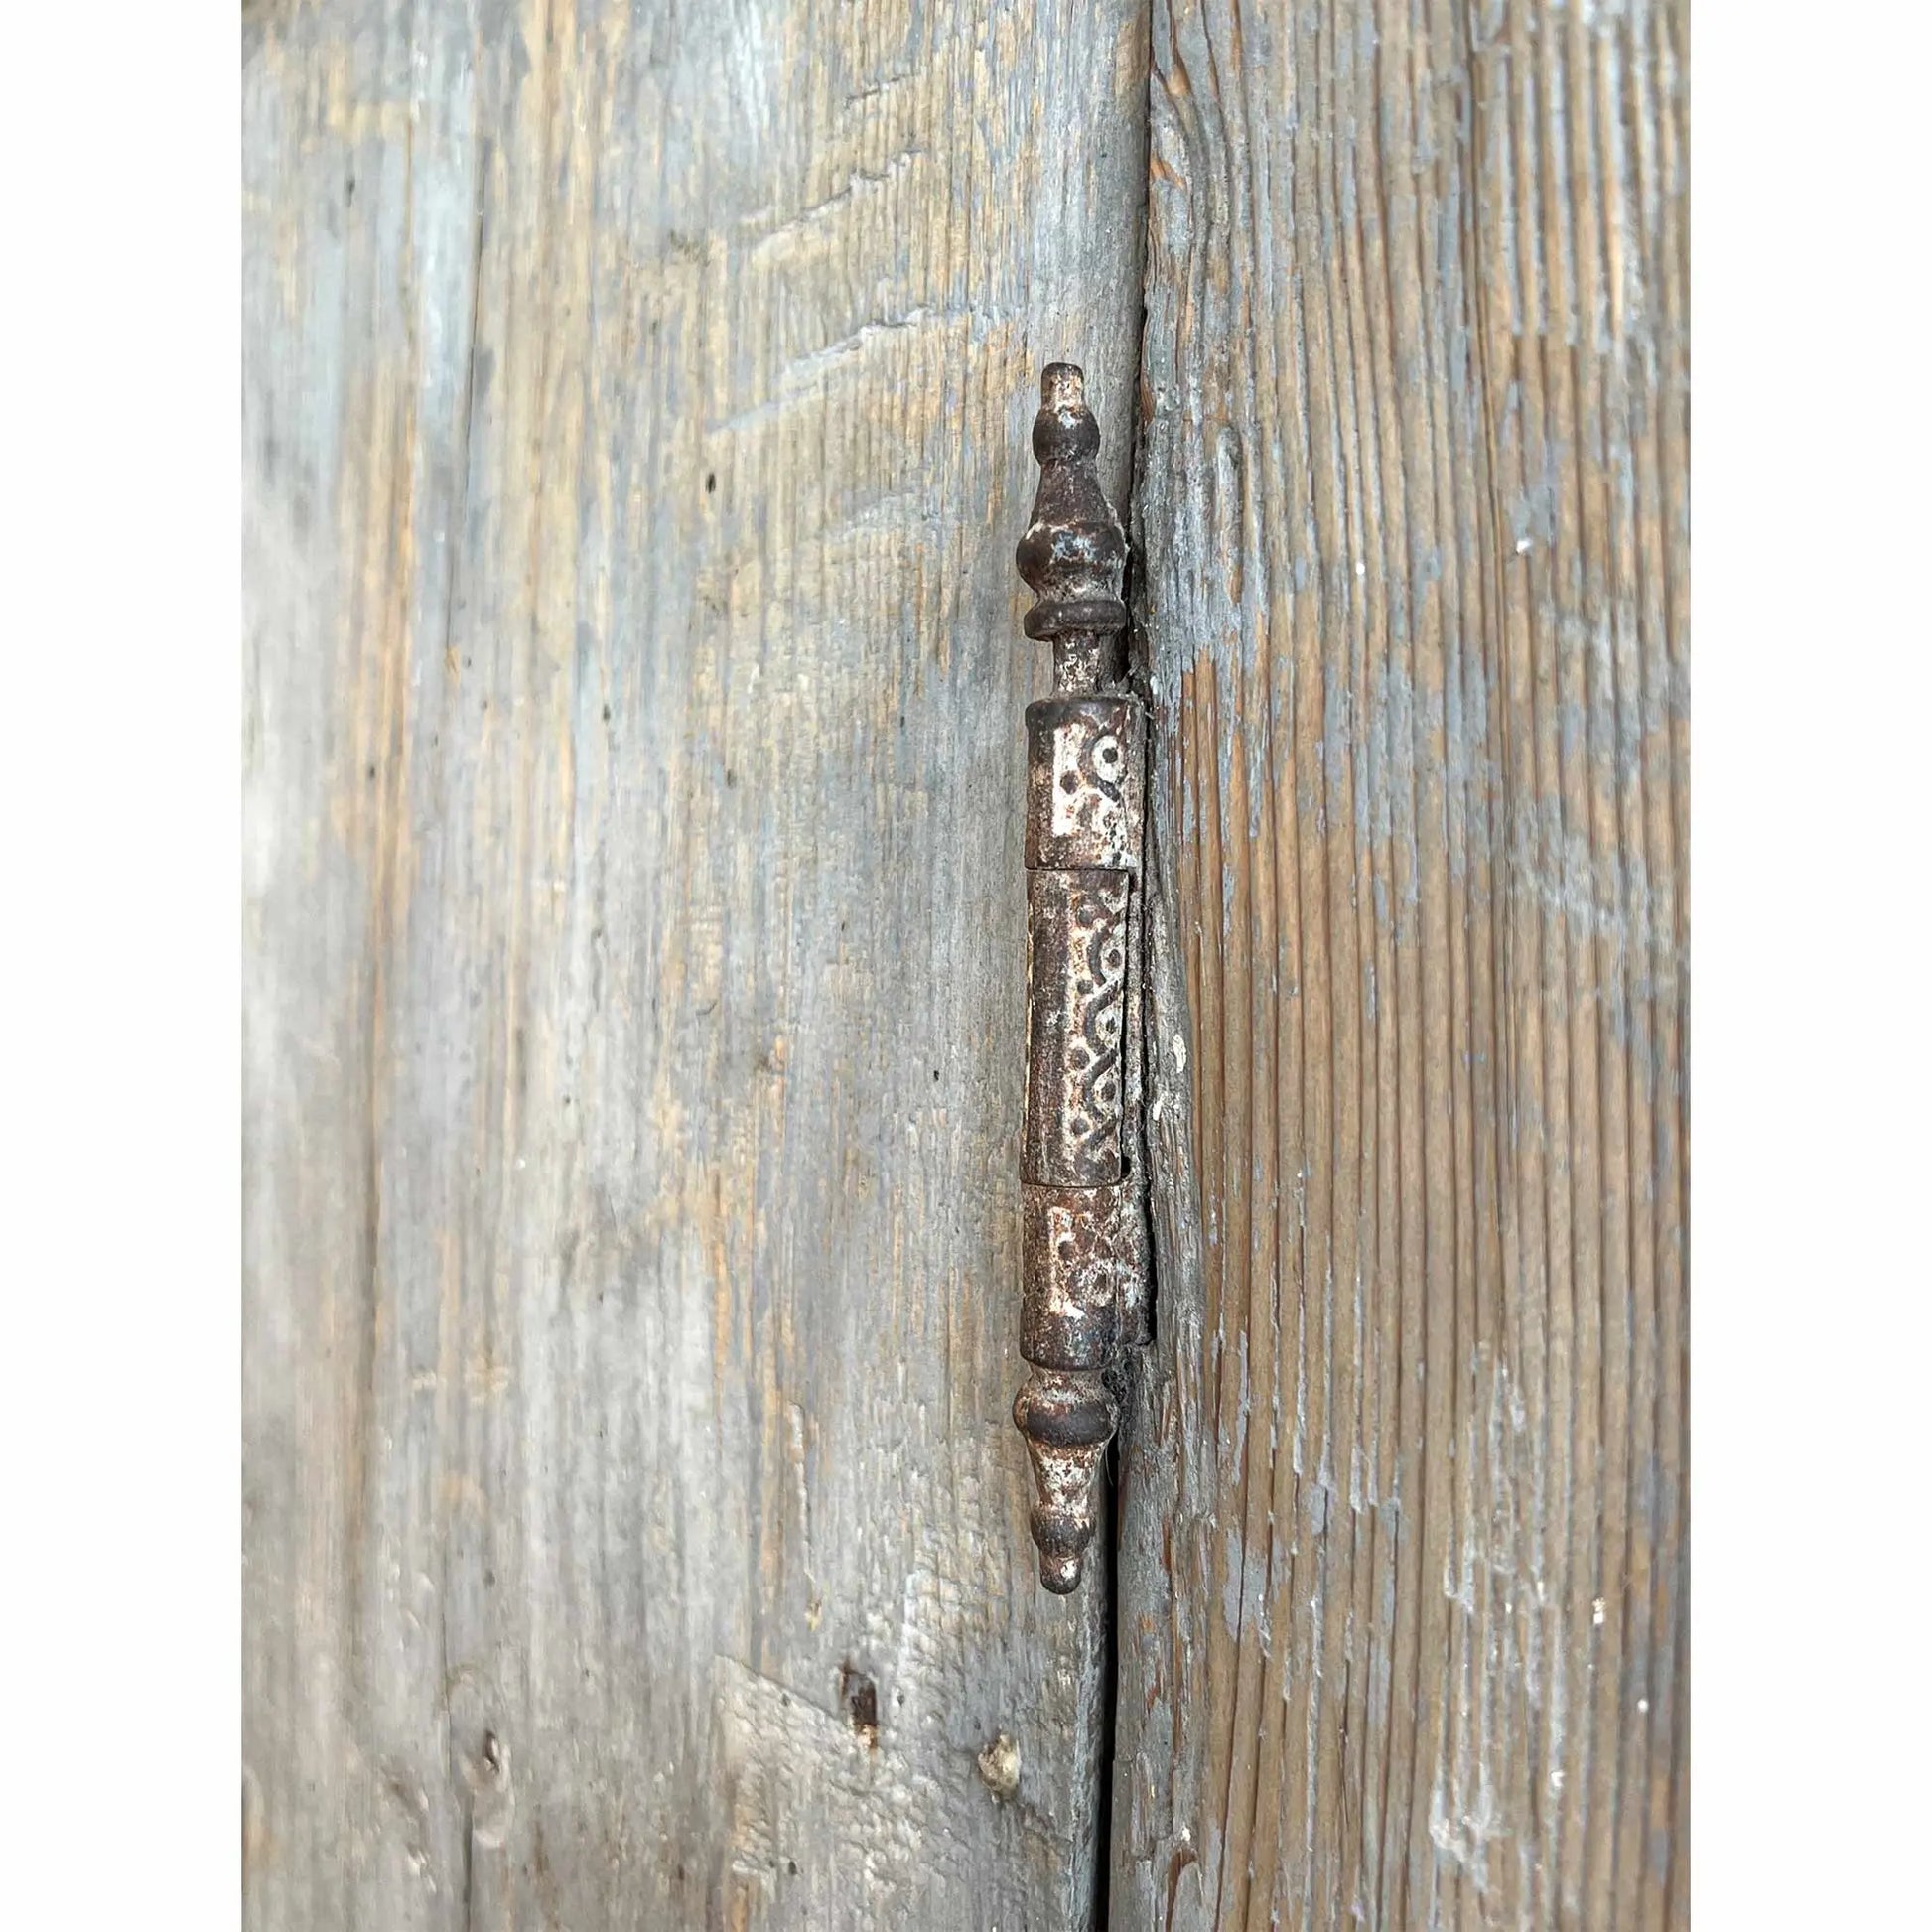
[
  {"x": 1811, "y": 843},
  {"x": 121, "y": 683}
]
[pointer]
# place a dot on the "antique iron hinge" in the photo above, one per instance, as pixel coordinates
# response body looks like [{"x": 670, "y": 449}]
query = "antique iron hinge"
[{"x": 1083, "y": 1213}]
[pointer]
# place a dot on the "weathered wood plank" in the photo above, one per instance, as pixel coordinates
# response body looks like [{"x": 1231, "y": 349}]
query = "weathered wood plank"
[
  {"x": 636, "y": 409},
  {"x": 1403, "y": 1570}
]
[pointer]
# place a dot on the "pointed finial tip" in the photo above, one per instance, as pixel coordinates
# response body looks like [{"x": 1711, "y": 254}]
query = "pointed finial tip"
[
  {"x": 1067, "y": 1419},
  {"x": 1061, "y": 1535},
  {"x": 1061, "y": 1575},
  {"x": 1062, "y": 385},
  {"x": 1073, "y": 550},
  {"x": 1064, "y": 431}
]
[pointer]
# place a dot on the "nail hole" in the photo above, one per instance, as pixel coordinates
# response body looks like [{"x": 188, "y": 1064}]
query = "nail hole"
[
  {"x": 859, "y": 1696},
  {"x": 998, "y": 1766}
]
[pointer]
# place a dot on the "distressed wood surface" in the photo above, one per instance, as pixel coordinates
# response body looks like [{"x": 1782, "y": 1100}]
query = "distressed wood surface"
[
  {"x": 1402, "y": 1573},
  {"x": 636, "y": 410}
]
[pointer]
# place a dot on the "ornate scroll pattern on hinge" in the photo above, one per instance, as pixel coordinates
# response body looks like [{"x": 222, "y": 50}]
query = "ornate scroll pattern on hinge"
[
  {"x": 1076, "y": 996},
  {"x": 1083, "y": 1210}
]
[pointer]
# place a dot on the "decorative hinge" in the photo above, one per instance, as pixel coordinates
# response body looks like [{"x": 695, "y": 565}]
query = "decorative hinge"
[{"x": 1083, "y": 1211}]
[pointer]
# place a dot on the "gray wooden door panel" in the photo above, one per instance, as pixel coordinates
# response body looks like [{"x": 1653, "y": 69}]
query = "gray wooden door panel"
[
  {"x": 635, "y": 419},
  {"x": 1403, "y": 1568}
]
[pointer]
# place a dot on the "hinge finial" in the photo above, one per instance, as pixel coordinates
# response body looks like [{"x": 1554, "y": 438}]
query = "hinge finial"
[{"x": 1074, "y": 550}]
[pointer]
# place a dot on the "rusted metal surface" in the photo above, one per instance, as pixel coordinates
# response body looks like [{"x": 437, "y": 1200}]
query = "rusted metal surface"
[
  {"x": 1083, "y": 1210},
  {"x": 1084, "y": 783},
  {"x": 1076, "y": 1005},
  {"x": 1074, "y": 1256}
]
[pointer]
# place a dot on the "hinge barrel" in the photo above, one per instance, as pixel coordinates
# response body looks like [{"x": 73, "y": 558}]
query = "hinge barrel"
[{"x": 1084, "y": 1229}]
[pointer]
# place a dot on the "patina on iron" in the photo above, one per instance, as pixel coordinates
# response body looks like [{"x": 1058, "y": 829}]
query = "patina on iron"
[{"x": 1083, "y": 1213}]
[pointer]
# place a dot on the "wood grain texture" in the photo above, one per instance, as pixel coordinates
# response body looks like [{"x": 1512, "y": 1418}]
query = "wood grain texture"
[
  {"x": 1404, "y": 1568},
  {"x": 635, "y": 413}
]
